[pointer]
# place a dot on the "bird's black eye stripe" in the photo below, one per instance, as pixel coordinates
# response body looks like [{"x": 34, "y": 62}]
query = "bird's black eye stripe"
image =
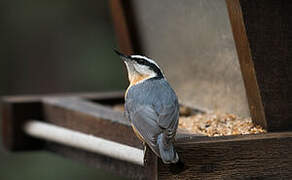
[
  {"x": 140, "y": 61},
  {"x": 152, "y": 66}
]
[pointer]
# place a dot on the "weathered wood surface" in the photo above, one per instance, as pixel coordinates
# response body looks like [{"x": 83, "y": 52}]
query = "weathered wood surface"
[
  {"x": 115, "y": 166},
  {"x": 122, "y": 19},
  {"x": 92, "y": 96},
  {"x": 90, "y": 118},
  {"x": 249, "y": 156},
  {"x": 266, "y": 156},
  {"x": 192, "y": 41},
  {"x": 16, "y": 110},
  {"x": 14, "y": 115},
  {"x": 262, "y": 33}
]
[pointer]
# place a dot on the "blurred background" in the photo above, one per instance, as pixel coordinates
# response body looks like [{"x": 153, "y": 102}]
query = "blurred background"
[{"x": 55, "y": 47}]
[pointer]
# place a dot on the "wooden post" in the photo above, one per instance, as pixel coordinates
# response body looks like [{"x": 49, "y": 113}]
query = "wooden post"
[
  {"x": 262, "y": 33},
  {"x": 16, "y": 110},
  {"x": 125, "y": 34},
  {"x": 15, "y": 113}
]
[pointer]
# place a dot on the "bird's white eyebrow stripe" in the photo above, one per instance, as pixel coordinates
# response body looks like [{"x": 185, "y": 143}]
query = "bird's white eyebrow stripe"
[{"x": 143, "y": 57}]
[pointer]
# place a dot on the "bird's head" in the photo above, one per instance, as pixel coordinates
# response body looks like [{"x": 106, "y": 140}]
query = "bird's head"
[{"x": 140, "y": 68}]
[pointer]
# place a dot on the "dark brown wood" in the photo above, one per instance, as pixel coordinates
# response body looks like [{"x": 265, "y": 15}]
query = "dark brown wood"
[
  {"x": 249, "y": 156},
  {"x": 266, "y": 156},
  {"x": 120, "y": 19},
  {"x": 90, "y": 118},
  {"x": 262, "y": 33},
  {"x": 16, "y": 110},
  {"x": 115, "y": 166},
  {"x": 246, "y": 63},
  {"x": 103, "y": 97},
  {"x": 151, "y": 165},
  {"x": 14, "y": 115}
]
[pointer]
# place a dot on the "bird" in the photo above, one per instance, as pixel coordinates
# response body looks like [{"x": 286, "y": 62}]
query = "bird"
[{"x": 151, "y": 106}]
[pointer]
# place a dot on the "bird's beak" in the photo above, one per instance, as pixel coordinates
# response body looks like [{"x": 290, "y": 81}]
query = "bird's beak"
[{"x": 122, "y": 56}]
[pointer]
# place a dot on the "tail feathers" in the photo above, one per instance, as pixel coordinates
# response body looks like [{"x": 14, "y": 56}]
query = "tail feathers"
[{"x": 167, "y": 151}]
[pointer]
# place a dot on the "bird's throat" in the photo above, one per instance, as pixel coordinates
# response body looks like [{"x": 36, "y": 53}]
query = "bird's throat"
[{"x": 136, "y": 79}]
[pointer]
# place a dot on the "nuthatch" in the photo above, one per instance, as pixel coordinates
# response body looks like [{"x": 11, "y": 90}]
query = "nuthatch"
[{"x": 151, "y": 106}]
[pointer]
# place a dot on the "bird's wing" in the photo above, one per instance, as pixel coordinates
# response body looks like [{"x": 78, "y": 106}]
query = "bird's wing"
[
  {"x": 168, "y": 116},
  {"x": 144, "y": 119},
  {"x": 150, "y": 122}
]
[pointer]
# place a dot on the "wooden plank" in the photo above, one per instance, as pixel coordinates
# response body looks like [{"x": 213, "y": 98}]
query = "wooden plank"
[
  {"x": 115, "y": 166},
  {"x": 232, "y": 156},
  {"x": 125, "y": 169},
  {"x": 16, "y": 110},
  {"x": 151, "y": 165},
  {"x": 248, "y": 156},
  {"x": 90, "y": 118},
  {"x": 125, "y": 36},
  {"x": 93, "y": 118},
  {"x": 14, "y": 115},
  {"x": 91, "y": 96},
  {"x": 262, "y": 32},
  {"x": 235, "y": 157}
]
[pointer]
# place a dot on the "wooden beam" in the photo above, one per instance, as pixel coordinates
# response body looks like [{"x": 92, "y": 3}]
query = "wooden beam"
[
  {"x": 262, "y": 33},
  {"x": 248, "y": 156},
  {"x": 111, "y": 165},
  {"x": 107, "y": 97},
  {"x": 265, "y": 156},
  {"x": 231, "y": 156},
  {"x": 90, "y": 118},
  {"x": 14, "y": 115},
  {"x": 16, "y": 110},
  {"x": 121, "y": 25}
]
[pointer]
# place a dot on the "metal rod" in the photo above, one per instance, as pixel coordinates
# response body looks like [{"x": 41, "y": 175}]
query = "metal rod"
[{"x": 84, "y": 141}]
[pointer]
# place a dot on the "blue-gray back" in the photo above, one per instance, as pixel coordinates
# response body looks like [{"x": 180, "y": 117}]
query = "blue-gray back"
[{"x": 152, "y": 107}]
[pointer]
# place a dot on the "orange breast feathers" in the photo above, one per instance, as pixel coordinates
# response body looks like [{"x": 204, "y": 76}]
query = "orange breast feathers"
[{"x": 136, "y": 79}]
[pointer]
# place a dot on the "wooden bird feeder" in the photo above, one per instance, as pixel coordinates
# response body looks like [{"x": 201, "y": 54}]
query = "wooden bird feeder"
[{"x": 85, "y": 127}]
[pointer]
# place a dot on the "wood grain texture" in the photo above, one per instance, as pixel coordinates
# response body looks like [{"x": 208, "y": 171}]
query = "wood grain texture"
[
  {"x": 16, "y": 110},
  {"x": 266, "y": 156},
  {"x": 115, "y": 166},
  {"x": 246, "y": 63},
  {"x": 262, "y": 32},
  {"x": 230, "y": 157},
  {"x": 90, "y": 118}
]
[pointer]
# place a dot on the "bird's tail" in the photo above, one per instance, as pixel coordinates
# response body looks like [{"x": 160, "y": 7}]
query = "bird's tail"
[{"x": 166, "y": 149}]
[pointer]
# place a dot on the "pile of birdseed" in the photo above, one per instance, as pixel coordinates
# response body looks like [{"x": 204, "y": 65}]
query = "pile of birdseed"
[
  {"x": 218, "y": 124},
  {"x": 212, "y": 124}
]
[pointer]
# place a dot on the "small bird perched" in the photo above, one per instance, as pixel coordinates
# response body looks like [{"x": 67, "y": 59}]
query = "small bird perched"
[{"x": 151, "y": 106}]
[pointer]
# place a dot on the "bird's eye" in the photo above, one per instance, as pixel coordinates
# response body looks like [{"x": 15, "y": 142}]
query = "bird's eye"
[{"x": 139, "y": 61}]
